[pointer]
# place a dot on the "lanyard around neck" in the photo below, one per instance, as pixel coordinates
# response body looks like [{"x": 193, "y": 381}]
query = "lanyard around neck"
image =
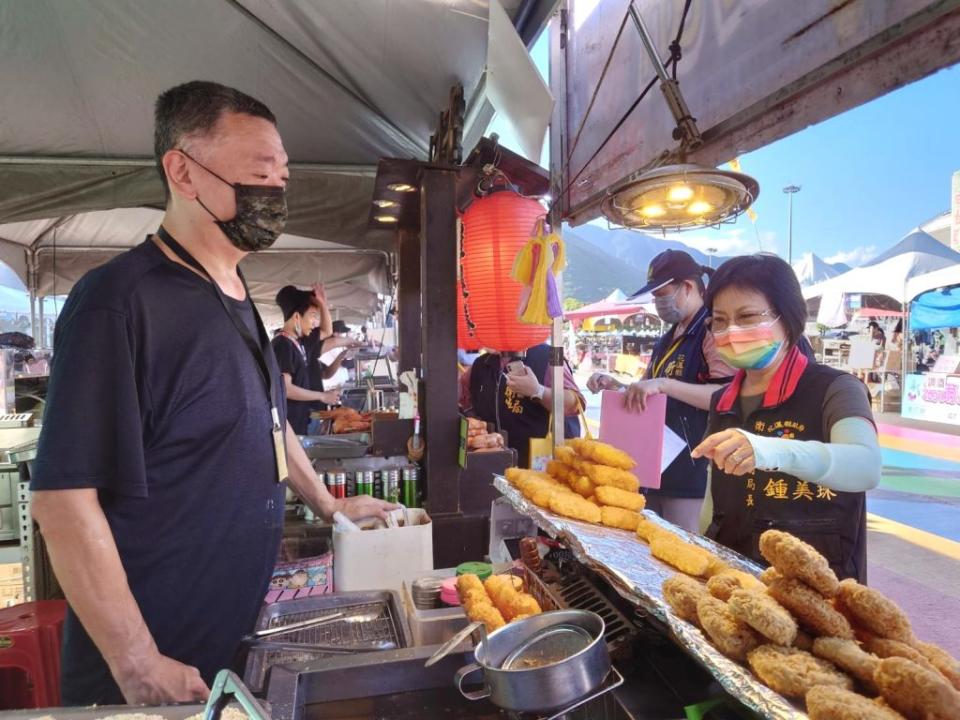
[{"x": 257, "y": 349}]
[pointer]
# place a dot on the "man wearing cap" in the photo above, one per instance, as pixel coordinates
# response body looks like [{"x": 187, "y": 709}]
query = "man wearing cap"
[{"x": 684, "y": 366}]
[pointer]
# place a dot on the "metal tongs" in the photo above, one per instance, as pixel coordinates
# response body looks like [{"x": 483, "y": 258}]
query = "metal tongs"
[
  {"x": 452, "y": 643},
  {"x": 226, "y": 687},
  {"x": 303, "y": 624}
]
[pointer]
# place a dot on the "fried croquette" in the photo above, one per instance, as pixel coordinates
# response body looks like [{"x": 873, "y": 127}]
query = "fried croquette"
[
  {"x": 916, "y": 692},
  {"x": 810, "y": 608},
  {"x": 583, "y": 487},
  {"x": 560, "y": 471},
  {"x": 684, "y": 556},
  {"x": 573, "y": 506},
  {"x": 565, "y": 454},
  {"x": 795, "y": 558},
  {"x": 617, "y": 517},
  {"x": 769, "y": 575},
  {"x": 792, "y": 672},
  {"x": 948, "y": 665},
  {"x": 474, "y": 596},
  {"x": 731, "y": 636},
  {"x": 765, "y": 615},
  {"x": 609, "y": 495},
  {"x": 850, "y": 657},
  {"x": 887, "y": 648},
  {"x": 647, "y": 530},
  {"x": 523, "y": 604},
  {"x": 604, "y": 454},
  {"x": 827, "y": 702},
  {"x": 873, "y": 611},
  {"x": 682, "y": 594},
  {"x": 717, "y": 566},
  {"x": 803, "y": 641},
  {"x": 488, "y": 615},
  {"x": 468, "y": 581},
  {"x": 603, "y": 475},
  {"x": 723, "y": 584}
]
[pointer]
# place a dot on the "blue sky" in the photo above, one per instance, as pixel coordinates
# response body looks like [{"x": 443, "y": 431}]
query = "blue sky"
[{"x": 868, "y": 176}]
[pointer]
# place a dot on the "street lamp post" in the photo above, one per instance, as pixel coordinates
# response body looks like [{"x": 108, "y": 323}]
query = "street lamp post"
[
  {"x": 790, "y": 190},
  {"x": 710, "y": 254}
]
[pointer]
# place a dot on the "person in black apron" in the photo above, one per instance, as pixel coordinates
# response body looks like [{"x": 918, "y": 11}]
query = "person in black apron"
[
  {"x": 792, "y": 443},
  {"x": 684, "y": 366},
  {"x": 518, "y": 402}
]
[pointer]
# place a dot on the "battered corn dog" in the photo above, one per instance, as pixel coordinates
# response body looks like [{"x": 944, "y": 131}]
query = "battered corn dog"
[
  {"x": 603, "y": 475},
  {"x": 573, "y": 506},
  {"x": 561, "y": 472},
  {"x": 468, "y": 581},
  {"x": 647, "y": 530},
  {"x": 488, "y": 615},
  {"x": 583, "y": 487},
  {"x": 617, "y": 517},
  {"x": 684, "y": 556},
  {"x": 564, "y": 454},
  {"x": 604, "y": 454},
  {"x": 609, "y": 495}
]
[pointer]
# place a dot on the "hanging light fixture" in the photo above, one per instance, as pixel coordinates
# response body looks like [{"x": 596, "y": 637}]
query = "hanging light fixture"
[{"x": 682, "y": 196}]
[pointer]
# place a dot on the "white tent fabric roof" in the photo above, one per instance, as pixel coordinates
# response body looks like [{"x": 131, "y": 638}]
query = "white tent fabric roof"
[
  {"x": 916, "y": 254},
  {"x": 945, "y": 277}
]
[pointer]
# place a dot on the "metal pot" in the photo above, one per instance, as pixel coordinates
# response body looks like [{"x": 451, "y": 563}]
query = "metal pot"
[{"x": 543, "y": 662}]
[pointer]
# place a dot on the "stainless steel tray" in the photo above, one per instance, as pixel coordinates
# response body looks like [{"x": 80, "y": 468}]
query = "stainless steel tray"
[
  {"x": 382, "y": 616},
  {"x": 332, "y": 447}
]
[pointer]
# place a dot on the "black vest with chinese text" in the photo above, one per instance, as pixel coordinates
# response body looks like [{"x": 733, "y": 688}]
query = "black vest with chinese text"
[{"x": 744, "y": 506}]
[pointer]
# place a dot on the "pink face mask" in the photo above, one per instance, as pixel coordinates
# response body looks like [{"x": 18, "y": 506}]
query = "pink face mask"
[{"x": 749, "y": 348}]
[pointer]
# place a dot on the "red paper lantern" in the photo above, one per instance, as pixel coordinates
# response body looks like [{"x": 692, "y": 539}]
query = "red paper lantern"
[{"x": 495, "y": 229}]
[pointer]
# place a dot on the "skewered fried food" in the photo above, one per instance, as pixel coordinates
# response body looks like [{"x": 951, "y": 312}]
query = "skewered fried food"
[
  {"x": 724, "y": 584},
  {"x": 617, "y": 517},
  {"x": 604, "y": 475},
  {"x": 583, "y": 487},
  {"x": 573, "y": 506},
  {"x": 647, "y": 530},
  {"x": 472, "y": 597},
  {"x": 850, "y": 657},
  {"x": 523, "y": 604},
  {"x": 887, "y": 648},
  {"x": 682, "y": 594},
  {"x": 731, "y": 636},
  {"x": 468, "y": 581},
  {"x": 560, "y": 471},
  {"x": 795, "y": 558},
  {"x": 609, "y": 495},
  {"x": 792, "y": 672},
  {"x": 916, "y": 692},
  {"x": 875, "y": 612},
  {"x": 488, "y": 615},
  {"x": 604, "y": 454},
  {"x": 765, "y": 615},
  {"x": 566, "y": 455},
  {"x": 682, "y": 555},
  {"x": 948, "y": 665},
  {"x": 826, "y": 702},
  {"x": 809, "y": 607}
]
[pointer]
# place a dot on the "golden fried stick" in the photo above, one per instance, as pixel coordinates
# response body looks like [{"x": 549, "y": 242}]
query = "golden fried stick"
[
  {"x": 887, "y": 648},
  {"x": 795, "y": 558},
  {"x": 765, "y": 615},
  {"x": 684, "y": 556},
  {"x": 809, "y": 607},
  {"x": 610, "y": 495},
  {"x": 826, "y": 702},
  {"x": 647, "y": 530},
  {"x": 617, "y": 517},
  {"x": 873, "y": 611},
  {"x": 604, "y": 454},
  {"x": 948, "y": 665},
  {"x": 682, "y": 594},
  {"x": 717, "y": 567},
  {"x": 583, "y": 487},
  {"x": 850, "y": 657},
  {"x": 769, "y": 575},
  {"x": 522, "y": 605},
  {"x": 792, "y": 672},
  {"x": 573, "y": 506},
  {"x": 723, "y": 584},
  {"x": 733, "y": 638},
  {"x": 468, "y": 581},
  {"x": 560, "y": 471},
  {"x": 565, "y": 454},
  {"x": 916, "y": 692},
  {"x": 603, "y": 475},
  {"x": 488, "y": 615}
]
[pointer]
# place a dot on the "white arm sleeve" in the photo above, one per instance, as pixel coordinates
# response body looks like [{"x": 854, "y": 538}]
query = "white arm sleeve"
[{"x": 850, "y": 462}]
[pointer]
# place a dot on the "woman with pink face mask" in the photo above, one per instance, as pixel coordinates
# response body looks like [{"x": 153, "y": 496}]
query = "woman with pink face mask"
[{"x": 792, "y": 443}]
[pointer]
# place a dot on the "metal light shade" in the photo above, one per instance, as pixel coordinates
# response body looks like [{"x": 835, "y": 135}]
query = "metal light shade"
[{"x": 681, "y": 197}]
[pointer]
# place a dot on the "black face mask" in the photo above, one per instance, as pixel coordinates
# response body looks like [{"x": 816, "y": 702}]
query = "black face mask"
[{"x": 261, "y": 213}]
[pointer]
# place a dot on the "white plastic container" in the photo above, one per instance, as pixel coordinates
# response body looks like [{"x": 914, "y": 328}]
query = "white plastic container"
[{"x": 381, "y": 559}]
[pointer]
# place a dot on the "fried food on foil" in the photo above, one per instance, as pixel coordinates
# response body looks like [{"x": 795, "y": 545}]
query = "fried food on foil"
[
  {"x": 769, "y": 575},
  {"x": 647, "y": 530},
  {"x": 826, "y": 702},
  {"x": 795, "y": 558},
  {"x": 724, "y": 584},
  {"x": 573, "y": 506},
  {"x": 610, "y": 495},
  {"x": 850, "y": 657},
  {"x": 887, "y": 648},
  {"x": 803, "y": 641},
  {"x": 565, "y": 454},
  {"x": 604, "y": 475},
  {"x": 732, "y": 637},
  {"x": 765, "y": 615},
  {"x": 561, "y": 472},
  {"x": 617, "y": 517},
  {"x": 603, "y": 454},
  {"x": 814, "y": 611},
  {"x": 684, "y": 556},
  {"x": 792, "y": 672},
  {"x": 717, "y": 567},
  {"x": 948, "y": 665},
  {"x": 682, "y": 594},
  {"x": 583, "y": 487},
  {"x": 873, "y": 611},
  {"x": 916, "y": 692}
]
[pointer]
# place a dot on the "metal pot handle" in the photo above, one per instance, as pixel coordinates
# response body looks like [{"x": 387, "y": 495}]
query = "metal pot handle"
[{"x": 462, "y": 675}]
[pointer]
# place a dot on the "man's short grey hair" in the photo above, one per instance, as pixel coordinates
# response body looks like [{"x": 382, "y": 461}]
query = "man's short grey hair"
[{"x": 193, "y": 109}]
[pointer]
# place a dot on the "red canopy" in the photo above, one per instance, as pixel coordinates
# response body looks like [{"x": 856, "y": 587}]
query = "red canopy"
[
  {"x": 604, "y": 308},
  {"x": 877, "y": 313}
]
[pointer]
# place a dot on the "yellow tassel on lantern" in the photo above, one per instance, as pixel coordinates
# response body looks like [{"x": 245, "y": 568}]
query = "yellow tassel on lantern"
[{"x": 536, "y": 267}]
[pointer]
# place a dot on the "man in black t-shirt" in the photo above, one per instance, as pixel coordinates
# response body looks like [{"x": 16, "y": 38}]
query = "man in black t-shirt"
[
  {"x": 303, "y": 312},
  {"x": 158, "y": 478}
]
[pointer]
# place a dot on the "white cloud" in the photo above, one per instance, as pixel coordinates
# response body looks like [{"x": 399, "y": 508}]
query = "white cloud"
[
  {"x": 733, "y": 241},
  {"x": 855, "y": 257}
]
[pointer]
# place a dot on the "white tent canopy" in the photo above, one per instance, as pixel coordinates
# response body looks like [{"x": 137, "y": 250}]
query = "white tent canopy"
[
  {"x": 945, "y": 277},
  {"x": 916, "y": 254}
]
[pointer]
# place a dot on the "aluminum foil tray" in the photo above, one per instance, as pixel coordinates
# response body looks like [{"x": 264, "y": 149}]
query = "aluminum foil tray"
[{"x": 627, "y": 564}]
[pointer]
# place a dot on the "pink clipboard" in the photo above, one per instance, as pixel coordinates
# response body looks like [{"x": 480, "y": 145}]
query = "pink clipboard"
[{"x": 639, "y": 434}]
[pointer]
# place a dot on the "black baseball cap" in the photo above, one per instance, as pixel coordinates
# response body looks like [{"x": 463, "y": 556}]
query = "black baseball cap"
[
  {"x": 339, "y": 326},
  {"x": 667, "y": 267}
]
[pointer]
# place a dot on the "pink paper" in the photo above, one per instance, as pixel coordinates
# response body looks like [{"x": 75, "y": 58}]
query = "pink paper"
[{"x": 639, "y": 434}]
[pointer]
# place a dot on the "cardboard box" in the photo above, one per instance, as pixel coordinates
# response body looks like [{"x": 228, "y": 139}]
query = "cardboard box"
[{"x": 380, "y": 559}]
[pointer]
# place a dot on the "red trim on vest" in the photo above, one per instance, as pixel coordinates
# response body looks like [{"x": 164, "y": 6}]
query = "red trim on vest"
[{"x": 781, "y": 388}]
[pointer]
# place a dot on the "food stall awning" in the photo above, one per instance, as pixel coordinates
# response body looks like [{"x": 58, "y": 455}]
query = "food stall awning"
[{"x": 604, "y": 308}]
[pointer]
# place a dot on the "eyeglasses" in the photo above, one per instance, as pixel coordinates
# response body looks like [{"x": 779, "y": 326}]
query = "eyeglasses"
[{"x": 743, "y": 320}]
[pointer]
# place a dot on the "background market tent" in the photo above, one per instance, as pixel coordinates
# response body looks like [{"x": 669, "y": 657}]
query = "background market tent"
[
  {"x": 935, "y": 299},
  {"x": 614, "y": 305}
]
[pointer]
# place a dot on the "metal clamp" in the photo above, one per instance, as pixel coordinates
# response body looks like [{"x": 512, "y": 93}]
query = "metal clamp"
[
  {"x": 462, "y": 675},
  {"x": 226, "y": 687}
]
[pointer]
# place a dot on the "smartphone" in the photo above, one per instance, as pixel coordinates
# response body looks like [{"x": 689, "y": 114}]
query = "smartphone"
[{"x": 516, "y": 367}]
